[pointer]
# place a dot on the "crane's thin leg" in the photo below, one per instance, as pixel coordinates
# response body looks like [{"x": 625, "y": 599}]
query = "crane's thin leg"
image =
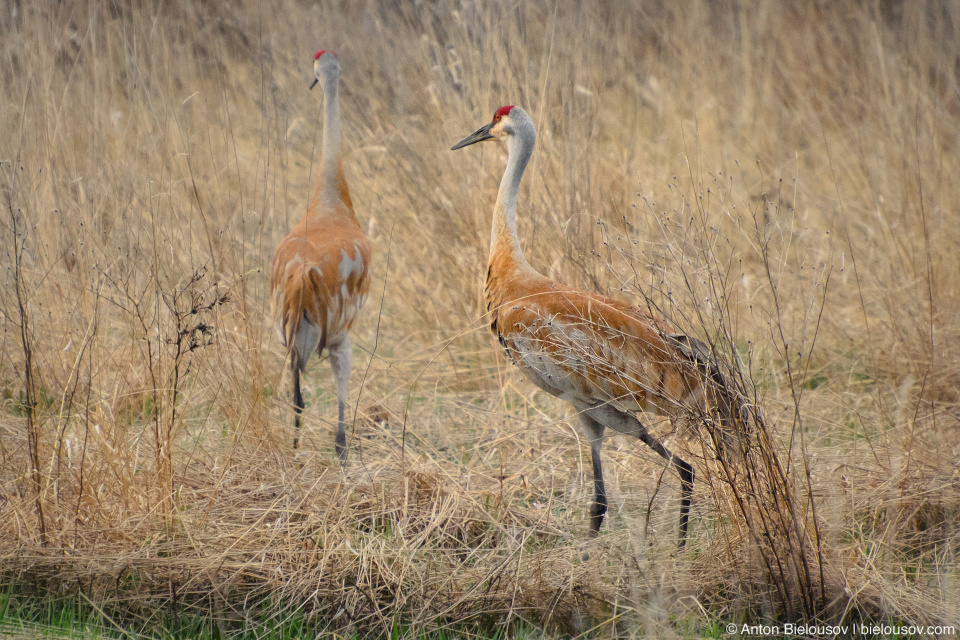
[
  {"x": 685, "y": 469},
  {"x": 593, "y": 431},
  {"x": 341, "y": 360},
  {"x": 297, "y": 397},
  {"x": 628, "y": 424}
]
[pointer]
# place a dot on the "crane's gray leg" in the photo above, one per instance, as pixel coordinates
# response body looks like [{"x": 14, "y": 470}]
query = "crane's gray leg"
[
  {"x": 685, "y": 469},
  {"x": 297, "y": 397},
  {"x": 593, "y": 431},
  {"x": 628, "y": 424},
  {"x": 341, "y": 360}
]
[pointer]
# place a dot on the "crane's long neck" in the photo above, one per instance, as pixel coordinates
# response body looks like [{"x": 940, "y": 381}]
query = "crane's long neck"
[
  {"x": 504, "y": 243},
  {"x": 331, "y": 184}
]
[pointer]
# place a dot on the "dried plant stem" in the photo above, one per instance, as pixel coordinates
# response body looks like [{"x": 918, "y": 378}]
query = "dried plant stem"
[{"x": 30, "y": 404}]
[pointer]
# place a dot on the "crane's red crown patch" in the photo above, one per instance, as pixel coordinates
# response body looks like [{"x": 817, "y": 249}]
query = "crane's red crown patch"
[
  {"x": 321, "y": 52},
  {"x": 502, "y": 111}
]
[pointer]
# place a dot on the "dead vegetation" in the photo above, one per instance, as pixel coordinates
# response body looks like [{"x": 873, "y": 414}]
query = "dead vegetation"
[{"x": 779, "y": 180}]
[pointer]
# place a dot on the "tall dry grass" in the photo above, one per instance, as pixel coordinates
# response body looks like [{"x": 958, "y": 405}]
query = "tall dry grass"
[{"x": 780, "y": 180}]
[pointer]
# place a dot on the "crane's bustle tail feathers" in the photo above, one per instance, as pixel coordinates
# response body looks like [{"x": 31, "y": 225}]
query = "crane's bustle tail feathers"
[
  {"x": 298, "y": 322},
  {"x": 732, "y": 418}
]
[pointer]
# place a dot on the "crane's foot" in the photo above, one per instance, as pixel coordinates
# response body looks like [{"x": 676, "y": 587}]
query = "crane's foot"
[{"x": 585, "y": 549}]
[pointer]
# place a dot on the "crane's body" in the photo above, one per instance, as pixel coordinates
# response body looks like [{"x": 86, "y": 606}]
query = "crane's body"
[
  {"x": 319, "y": 275},
  {"x": 583, "y": 347},
  {"x": 608, "y": 359}
]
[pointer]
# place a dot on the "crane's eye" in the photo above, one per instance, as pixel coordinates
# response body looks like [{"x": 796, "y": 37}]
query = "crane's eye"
[{"x": 497, "y": 117}]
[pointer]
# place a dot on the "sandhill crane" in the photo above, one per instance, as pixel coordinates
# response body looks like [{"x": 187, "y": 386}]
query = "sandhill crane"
[
  {"x": 608, "y": 359},
  {"x": 319, "y": 273}
]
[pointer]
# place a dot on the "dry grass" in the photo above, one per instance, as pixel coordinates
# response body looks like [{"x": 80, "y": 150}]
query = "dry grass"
[{"x": 780, "y": 180}]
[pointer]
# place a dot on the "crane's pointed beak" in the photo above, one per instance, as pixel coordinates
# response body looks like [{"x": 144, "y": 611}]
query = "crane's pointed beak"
[
  {"x": 481, "y": 134},
  {"x": 314, "y": 83}
]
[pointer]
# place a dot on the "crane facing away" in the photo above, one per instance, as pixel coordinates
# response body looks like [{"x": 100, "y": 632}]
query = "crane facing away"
[
  {"x": 319, "y": 275},
  {"x": 608, "y": 359}
]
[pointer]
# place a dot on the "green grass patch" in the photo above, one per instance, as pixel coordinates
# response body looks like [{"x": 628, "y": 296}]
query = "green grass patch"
[{"x": 27, "y": 613}]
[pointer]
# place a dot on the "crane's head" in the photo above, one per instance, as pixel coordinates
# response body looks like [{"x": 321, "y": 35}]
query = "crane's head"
[
  {"x": 508, "y": 122},
  {"x": 325, "y": 63}
]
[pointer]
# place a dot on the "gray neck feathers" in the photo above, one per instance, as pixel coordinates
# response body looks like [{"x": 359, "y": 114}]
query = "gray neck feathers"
[
  {"x": 331, "y": 137},
  {"x": 519, "y": 149}
]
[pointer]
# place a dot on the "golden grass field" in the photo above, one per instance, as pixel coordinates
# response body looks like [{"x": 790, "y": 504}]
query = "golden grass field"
[{"x": 783, "y": 180}]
